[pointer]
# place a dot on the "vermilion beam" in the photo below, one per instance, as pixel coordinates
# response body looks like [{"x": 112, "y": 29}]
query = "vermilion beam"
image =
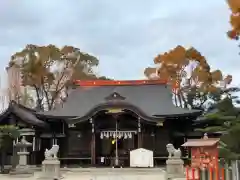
[{"x": 111, "y": 83}]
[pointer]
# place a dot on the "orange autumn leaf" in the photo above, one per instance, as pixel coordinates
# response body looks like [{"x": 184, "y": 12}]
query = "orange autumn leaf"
[
  {"x": 172, "y": 66},
  {"x": 233, "y": 34},
  {"x": 235, "y": 22},
  {"x": 234, "y": 5},
  {"x": 216, "y": 76},
  {"x": 193, "y": 53}
]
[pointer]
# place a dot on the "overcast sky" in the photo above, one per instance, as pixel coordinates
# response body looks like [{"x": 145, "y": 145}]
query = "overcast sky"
[{"x": 125, "y": 35}]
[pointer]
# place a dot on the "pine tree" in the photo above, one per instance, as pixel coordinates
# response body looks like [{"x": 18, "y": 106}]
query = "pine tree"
[
  {"x": 225, "y": 121},
  {"x": 7, "y": 134}
]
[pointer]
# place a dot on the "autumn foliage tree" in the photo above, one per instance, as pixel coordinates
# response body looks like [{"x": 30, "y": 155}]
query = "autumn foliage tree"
[
  {"x": 190, "y": 75},
  {"x": 234, "y": 6},
  {"x": 48, "y": 70}
]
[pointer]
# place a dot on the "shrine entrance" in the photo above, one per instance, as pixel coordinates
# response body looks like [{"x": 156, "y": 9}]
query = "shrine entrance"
[
  {"x": 112, "y": 146},
  {"x": 115, "y": 138}
]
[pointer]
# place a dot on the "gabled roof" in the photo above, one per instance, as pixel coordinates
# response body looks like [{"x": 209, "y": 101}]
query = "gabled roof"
[
  {"x": 201, "y": 142},
  {"x": 151, "y": 101},
  {"x": 27, "y": 115}
]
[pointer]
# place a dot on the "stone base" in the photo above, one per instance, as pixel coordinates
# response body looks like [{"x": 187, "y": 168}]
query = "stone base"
[
  {"x": 50, "y": 169},
  {"x": 22, "y": 171},
  {"x": 175, "y": 168}
]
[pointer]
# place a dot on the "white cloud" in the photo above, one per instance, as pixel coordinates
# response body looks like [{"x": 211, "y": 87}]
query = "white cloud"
[{"x": 124, "y": 35}]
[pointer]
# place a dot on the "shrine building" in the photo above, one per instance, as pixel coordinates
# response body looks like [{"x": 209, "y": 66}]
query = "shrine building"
[{"x": 101, "y": 121}]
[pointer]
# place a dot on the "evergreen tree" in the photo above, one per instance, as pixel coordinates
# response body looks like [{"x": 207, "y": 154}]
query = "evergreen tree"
[
  {"x": 7, "y": 134},
  {"x": 225, "y": 121}
]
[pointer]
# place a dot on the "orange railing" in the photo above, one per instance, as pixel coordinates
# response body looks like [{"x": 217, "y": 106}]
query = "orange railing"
[{"x": 205, "y": 174}]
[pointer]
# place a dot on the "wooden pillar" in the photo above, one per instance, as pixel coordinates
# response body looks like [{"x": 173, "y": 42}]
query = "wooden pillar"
[
  {"x": 33, "y": 158},
  {"x": 93, "y": 143},
  {"x": 139, "y": 133}
]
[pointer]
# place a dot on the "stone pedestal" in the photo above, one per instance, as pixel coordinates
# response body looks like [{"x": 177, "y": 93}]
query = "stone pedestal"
[
  {"x": 50, "y": 169},
  {"x": 22, "y": 169},
  {"x": 23, "y": 158},
  {"x": 175, "y": 168}
]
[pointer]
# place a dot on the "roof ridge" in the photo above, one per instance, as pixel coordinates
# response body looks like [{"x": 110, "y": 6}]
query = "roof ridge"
[
  {"x": 119, "y": 82},
  {"x": 209, "y": 139}
]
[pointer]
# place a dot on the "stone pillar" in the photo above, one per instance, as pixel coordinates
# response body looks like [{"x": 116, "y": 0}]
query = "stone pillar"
[
  {"x": 30, "y": 135},
  {"x": 51, "y": 164},
  {"x": 227, "y": 172},
  {"x": 175, "y": 165},
  {"x": 22, "y": 158},
  {"x": 50, "y": 169}
]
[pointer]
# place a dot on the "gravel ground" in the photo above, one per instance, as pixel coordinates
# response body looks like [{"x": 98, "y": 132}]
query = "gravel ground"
[{"x": 102, "y": 174}]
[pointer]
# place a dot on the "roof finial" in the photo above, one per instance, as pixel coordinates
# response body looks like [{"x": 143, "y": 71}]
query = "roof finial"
[{"x": 205, "y": 136}]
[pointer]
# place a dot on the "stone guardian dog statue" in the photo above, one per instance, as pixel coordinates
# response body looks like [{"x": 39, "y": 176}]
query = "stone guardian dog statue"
[
  {"x": 52, "y": 153},
  {"x": 172, "y": 152}
]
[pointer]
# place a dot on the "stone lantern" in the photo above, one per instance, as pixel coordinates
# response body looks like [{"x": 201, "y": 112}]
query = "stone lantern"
[
  {"x": 27, "y": 132},
  {"x": 22, "y": 167}
]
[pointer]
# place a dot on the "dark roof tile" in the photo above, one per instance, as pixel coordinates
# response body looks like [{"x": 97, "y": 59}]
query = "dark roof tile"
[
  {"x": 25, "y": 114},
  {"x": 151, "y": 100}
]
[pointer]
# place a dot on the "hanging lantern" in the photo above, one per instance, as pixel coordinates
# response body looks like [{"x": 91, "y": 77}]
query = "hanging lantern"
[
  {"x": 113, "y": 141},
  {"x": 101, "y": 136},
  {"x": 107, "y": 135},
  {"x": 114, "y": 135}
]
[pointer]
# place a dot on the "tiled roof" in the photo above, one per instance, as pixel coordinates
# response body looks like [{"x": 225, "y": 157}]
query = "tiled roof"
[
  {"x": 201, "y": 142},
  {"x": 152, "y": 101}
]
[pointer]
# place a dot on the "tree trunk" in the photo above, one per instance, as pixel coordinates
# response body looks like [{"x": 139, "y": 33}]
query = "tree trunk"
[
  {"x": 2, "y": 160},
  {"x": 39, "y": 100},
  {"x": 180, "y": 100},
  {"x": 175, "y": 99},
  {"x": 183, "y": 99},
  {"x": 15, "y": 158}
]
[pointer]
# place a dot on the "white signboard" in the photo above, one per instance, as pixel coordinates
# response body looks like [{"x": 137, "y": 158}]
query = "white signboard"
[{"x": 141, "y": 158}]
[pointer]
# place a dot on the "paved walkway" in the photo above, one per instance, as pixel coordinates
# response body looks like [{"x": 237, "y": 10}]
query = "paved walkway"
[{"x": 102, "y": 174}]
